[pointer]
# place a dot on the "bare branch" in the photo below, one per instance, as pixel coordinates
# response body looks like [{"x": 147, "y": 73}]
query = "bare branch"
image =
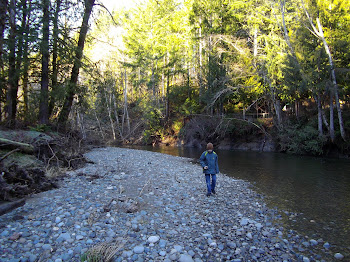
[
  {"x": 253, "y": 103},
  {"x": 314, "y": 29},
  {"x": 115, "y": 23},
  {"x": 53, "y": 156},
  {"x": 229, "y": 90},
  {"x": 9, "y": 153}
]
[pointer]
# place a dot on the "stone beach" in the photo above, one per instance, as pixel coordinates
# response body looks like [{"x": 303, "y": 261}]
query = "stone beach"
[{"x": 146, "y": 206}]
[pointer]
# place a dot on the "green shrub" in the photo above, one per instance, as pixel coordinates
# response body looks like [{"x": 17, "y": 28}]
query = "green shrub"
[
  {"x": 153, "y": 129},
  {"x": 298, "y": 139}
]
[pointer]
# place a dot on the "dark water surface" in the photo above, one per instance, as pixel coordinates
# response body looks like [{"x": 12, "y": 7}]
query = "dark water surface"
[{"x": 318, "y": 188}]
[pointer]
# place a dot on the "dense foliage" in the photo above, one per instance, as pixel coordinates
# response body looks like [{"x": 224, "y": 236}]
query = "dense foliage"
[{"x": 282, "y": 66}]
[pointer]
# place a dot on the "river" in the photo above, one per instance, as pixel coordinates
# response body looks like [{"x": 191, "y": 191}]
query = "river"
[{"x": 317, "y": 189}]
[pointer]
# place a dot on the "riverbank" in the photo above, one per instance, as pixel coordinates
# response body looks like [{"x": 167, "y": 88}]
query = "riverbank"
[{"x": 145, "y": 206}]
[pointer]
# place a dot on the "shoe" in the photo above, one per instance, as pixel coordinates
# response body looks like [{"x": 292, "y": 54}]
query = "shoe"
[
  {"x": 208, "y": 194},
  {"x": 213, "y": 192}
]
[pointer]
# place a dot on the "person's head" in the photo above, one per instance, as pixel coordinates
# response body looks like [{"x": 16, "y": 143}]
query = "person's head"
[{"x": 210, "y": 147}]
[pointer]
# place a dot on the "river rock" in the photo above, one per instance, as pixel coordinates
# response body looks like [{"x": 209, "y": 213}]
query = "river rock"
[
  {"x": 15, "y": 236},
  {"x": 313, "y": 242},
  {"x": 153, "y": 239},
  {"x": 258, "y": 226},
  {"x": 138, "y": 249},
  {"x": 4, "y": 233},
  {"x": 306, "y": 259},
  {"x": 162, "y": 243},
  {"x": 338, "y": 256},
  {"x": 185, "y": 258},
  {"x": 244, "y": 222},
  {"x": 64, "y": 236},
  {"x": 326, "y": 245},
  {"x": 46, "y": 247},
  {"x": 79, "y": 237}
]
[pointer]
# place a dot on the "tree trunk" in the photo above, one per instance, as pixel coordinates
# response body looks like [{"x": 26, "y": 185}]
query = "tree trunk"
[
  {"x": 255, "y": 51},
  {"x": 25, "y": 79},
  {"x": 12, "y": 87},
  {"x": 325, "y": 122},
  {"x": 80, "y": 118},
  {"x": 123, "y": 116},
  {"x": 117, "y": 117},
  {"x": 163, "y": 97},
  {"x": 286, "y": 36},
  {"x": 319, "y": 114},
  {"x": 26, "y": 63},
  {"x": 44, "y": 93},
  {"x": 200, "y": 76},
  {"x": 278, "y": 110},
  {"x": 334, "y": 89},
  {"x": 108, "y": 97},
  {"x": 3, "y": 16},
  {"x": 276, "y": 104},
  {"x": 54, "y": 57},
  {"x": 331, "y": 116},
  {"x": 20, "y": 40},
  {"x": 153, "y": 81},
  {"x": 334, "y": 80},
  {"x": 3, "y": 12},
  {"x": 99, "y": 125},
  {"x": 139, "y": 83},
  {"x": 126, "y": 113},
  {"x": 297, "y": 107},
  {"x": 63, "y": 117},
  {"x": 167, "y": 108}
]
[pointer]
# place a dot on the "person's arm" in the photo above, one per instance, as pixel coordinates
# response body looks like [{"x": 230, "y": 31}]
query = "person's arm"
[
  {"x": 202, "y": 160},
  {"x": 217, "y": 164}
]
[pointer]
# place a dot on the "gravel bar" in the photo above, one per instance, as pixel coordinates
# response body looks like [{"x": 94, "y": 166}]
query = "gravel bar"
[{"x": 134, "y": 205}]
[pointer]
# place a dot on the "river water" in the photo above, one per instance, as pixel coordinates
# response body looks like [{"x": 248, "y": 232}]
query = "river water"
[{"x": 317, "y": 189}]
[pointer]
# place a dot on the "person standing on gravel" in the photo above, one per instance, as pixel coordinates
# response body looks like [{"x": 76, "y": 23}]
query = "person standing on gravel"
[{"x": 209, "y": 162}]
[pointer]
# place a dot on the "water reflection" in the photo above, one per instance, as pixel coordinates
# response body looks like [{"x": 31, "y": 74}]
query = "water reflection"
[{"x": 319, "y": 188}]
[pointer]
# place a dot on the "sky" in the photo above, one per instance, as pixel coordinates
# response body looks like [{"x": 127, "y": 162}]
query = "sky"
[
  {"x": 113, "y": 41},
  {"x": 117, "y": 4}
]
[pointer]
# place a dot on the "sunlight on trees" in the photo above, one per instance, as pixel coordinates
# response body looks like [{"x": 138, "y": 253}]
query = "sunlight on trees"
[{"x": 133, "y": 74}]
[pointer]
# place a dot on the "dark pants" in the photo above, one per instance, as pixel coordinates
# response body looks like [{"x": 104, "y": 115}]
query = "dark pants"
[{"x": 210, "y": 186}]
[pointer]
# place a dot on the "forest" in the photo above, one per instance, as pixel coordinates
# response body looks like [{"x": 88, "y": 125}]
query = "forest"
[{"x": 181, "y": 72}]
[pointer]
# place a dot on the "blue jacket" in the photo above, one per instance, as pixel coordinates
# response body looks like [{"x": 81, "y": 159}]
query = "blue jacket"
[{"x": 211, "y": 161}]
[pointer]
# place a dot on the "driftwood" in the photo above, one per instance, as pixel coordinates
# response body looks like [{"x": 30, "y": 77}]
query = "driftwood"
[
  {"x": 5, "y": 208},
  {"x": 8, "y": 154},
  {"x": 21, "y": 176},
  {"x": 10, "y": 144}
]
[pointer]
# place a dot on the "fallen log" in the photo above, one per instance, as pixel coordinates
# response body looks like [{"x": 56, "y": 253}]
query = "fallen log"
[
  {"x": 25, "y": 148},
  {"x": 5, "y": 208}
]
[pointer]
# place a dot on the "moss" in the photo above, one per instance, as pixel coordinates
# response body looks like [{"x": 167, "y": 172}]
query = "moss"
[{"x": 22, "y": 160}]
